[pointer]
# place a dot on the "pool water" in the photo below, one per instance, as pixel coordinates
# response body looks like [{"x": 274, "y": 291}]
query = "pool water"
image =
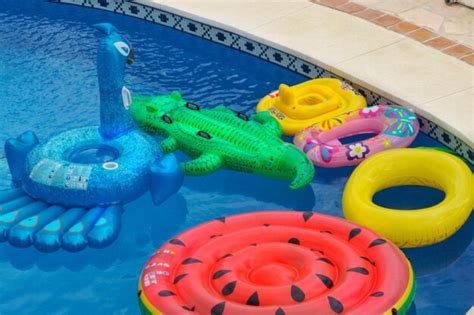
[{"x": 48, "y": 84}]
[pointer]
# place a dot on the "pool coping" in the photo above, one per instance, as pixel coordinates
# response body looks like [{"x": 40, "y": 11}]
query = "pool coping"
[
  {"x": 398, "y": 24},
  {"x": 248, "y": 40}
]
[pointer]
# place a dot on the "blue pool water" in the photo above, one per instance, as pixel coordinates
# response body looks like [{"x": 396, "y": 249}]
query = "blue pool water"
[{"x": 48, "y": 84}]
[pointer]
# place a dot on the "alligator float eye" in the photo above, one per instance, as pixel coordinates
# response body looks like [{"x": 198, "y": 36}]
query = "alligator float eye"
[
  {"x": 243, "y": 116},
  {"x": 151, "y": 109},
  {"x": 192, "y": 106},
  {"x": 204, "y": 134},
  {"x": 166, "y": 119}
]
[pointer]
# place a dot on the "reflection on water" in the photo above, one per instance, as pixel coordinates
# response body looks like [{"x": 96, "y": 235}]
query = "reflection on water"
[
  {"x": 144, "y": 225},
  {"x": 48, "y": 81},
  {"x": 432, "y": 259}
]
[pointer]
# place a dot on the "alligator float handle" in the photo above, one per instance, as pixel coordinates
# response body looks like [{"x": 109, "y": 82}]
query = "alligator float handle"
[{"x": 115, "y": 99}]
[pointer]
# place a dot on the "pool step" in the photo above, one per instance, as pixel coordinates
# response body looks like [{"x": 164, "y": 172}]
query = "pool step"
[{"x": 26, "y": 222}]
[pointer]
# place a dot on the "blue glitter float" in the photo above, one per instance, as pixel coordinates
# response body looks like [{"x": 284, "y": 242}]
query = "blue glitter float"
[{"x": 68, "y": 192}]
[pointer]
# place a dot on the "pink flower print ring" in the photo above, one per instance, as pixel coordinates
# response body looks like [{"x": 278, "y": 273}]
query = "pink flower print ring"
[{"x": 396, "y": 127}]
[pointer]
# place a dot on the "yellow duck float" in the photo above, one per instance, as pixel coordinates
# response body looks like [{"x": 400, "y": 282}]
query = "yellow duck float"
[{"x": 302, "y": 105}]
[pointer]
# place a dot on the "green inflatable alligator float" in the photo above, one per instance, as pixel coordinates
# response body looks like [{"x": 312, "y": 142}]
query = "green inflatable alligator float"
[{"x": 219, "y": 137}]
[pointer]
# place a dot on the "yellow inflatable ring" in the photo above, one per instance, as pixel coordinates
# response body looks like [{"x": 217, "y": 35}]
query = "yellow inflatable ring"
[
  {"x": 302, "y": 105},
  {"x": 399, "y": 167}
]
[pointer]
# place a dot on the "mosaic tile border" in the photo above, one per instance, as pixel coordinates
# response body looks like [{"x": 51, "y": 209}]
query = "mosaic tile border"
[{"x": 262, "y": 51}]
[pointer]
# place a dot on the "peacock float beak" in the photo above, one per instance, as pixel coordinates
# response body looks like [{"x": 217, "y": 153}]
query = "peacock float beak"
[{"x": 131, "y": 57}]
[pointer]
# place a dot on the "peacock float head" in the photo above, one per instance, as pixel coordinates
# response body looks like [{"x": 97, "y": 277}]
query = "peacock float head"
[
  {"x": 114, "y": 53},
  {"x": 114, "y": 45}
]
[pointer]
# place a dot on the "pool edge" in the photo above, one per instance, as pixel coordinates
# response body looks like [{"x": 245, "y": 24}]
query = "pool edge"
[{"x": 232, "y": 37}]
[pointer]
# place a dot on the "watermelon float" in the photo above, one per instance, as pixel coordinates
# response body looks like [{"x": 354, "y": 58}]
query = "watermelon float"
[{"x": 277, "y": 263}]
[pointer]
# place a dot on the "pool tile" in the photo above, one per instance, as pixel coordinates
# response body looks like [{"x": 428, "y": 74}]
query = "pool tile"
[
  {"x": 308, "y": 69},
  {"x": 331, "y": 3},
  {"x": 469, "y": 59},
  {"x": 369, "y": 14},
  {"x": 277, "y": 56},
  {"x": 221, "y": 36},
  {"x": 422, "y": 35},
  {"x": 151, "y": 3},
  {"x": 440, "y": 43},
  {"x": 193, "y": 27},
  {"x": 446, "y": 137},
  {"x": 404, "y": 27},
  {"x": 249, "y": 46},
  {"x": 164, "y": 18},
  {"x": 351, "y": 7},
  {"x": 136, "y": 10},
  {"x": 386, "y": 20}
]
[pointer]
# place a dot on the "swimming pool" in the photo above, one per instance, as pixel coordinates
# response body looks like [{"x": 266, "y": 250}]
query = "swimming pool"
[{"x": 48, "y": 84}]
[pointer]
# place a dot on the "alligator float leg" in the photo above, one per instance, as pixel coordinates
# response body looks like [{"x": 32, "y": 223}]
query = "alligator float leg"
[
  {"x": 203, "y": 165},
  {"x": 16, "y": 150},
  {"x": 169, "y": 145},
  {"x": 269, "y": 122},
  {"x": 304, "y": 173},
  {"x": 166, "y": 178}
]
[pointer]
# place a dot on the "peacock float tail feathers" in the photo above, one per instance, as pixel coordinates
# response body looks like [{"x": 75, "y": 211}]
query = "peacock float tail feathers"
[{"x": 27, "y": 222}]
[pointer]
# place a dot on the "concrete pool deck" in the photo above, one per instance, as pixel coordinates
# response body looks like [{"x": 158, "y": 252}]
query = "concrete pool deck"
[{"x": 436, "y": 85}]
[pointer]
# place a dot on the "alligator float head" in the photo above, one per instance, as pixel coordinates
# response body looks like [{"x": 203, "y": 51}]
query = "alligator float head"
[
  {"x": 151, "y": 113},
  {"x": 219, "y": 137}
]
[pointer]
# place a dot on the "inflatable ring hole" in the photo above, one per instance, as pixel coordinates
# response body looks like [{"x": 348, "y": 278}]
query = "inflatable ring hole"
[
  {"x": 93, "y": 154},
  {"x": 273, "y": 274},
  {"x": 354, "y": 131},
  {"x": 357, "y": 138},
  {"x": 310, "y": 100},
  {"x": 414, "y": 197}
]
